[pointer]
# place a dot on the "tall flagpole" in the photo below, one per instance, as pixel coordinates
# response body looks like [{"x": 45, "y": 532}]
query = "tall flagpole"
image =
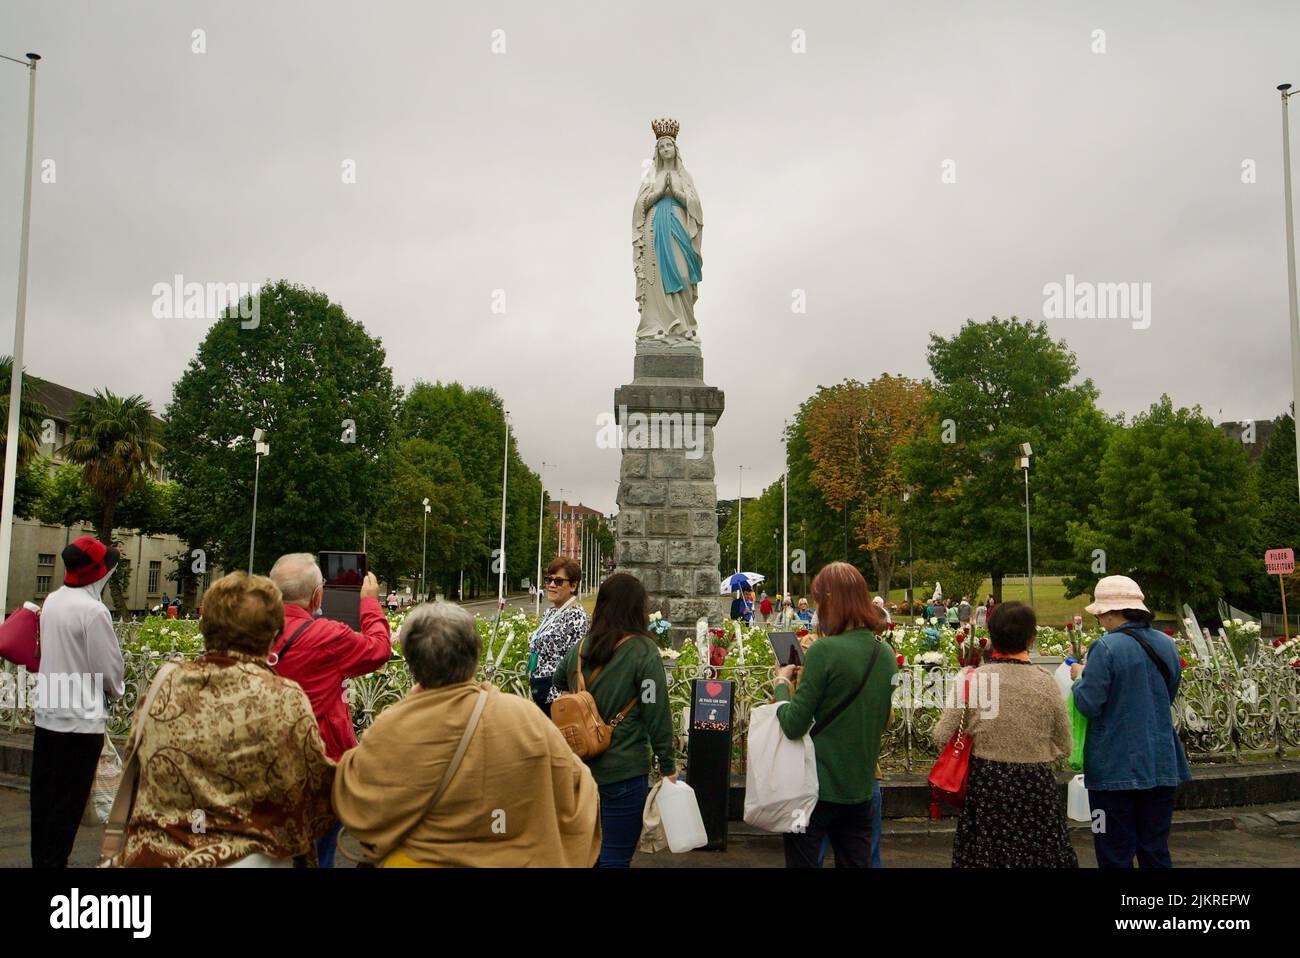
[
  {"x": 16, "y": 366},
  {"x": 1290, "y": 273},
  {"x": 785, "y": 519}
]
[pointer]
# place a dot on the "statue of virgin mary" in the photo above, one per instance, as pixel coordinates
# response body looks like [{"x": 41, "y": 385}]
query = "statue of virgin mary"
[{"x": 666, "y": 231}]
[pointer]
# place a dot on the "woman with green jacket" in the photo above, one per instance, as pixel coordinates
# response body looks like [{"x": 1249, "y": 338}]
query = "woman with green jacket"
[
  {"x": 843, "y": 697},
  {"x": 623, "y": 671}
]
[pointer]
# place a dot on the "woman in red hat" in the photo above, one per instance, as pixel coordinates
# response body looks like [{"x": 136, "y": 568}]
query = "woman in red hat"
[{"x": 81, "y": 672}]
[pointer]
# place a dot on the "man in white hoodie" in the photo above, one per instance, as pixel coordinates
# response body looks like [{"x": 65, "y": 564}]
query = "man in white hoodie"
[{"x": 81, "y": 672}]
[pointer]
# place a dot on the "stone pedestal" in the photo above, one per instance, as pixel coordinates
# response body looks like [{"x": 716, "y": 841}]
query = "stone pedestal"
[{"x": 667, "y": 497}]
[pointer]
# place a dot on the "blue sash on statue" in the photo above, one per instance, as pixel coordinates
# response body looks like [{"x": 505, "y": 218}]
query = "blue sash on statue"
[{"x": 666, "y": 224}]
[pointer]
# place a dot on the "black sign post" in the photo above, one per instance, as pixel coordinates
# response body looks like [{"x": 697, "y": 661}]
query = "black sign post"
[{"x": 708, "y": 755}]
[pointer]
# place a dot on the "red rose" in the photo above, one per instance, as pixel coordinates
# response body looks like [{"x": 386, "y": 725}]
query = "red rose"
[
  {"x": 1182, "y": 661},
  {"x": 900, "y": 661},
  {"x": 1169, "y": 632},
  {"x": 717, "y": 654},
  {"x": 1069, "y": 627},
  {"x": 1276, "y": 643},
  {"x": 983, "y": 643},
  {"x": 802, "y": 633}
]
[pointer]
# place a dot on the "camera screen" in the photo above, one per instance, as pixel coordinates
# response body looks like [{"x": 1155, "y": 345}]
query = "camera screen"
[{"x": 343, "y": 570}]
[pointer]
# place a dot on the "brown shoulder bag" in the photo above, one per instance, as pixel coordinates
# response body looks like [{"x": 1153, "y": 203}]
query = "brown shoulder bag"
[{"x": 576, "y": 716}]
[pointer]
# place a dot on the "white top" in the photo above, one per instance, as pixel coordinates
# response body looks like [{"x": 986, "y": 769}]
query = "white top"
[{"x": 81, "y": 662}]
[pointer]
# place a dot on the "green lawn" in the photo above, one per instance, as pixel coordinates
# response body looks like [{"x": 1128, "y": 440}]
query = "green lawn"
[{"x": 1050, "y": 603}]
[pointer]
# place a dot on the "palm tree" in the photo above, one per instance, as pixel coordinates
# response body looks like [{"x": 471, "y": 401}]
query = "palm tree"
[
  {"x": 112, "y": 439},
  {"x": 31, "y": 415}
]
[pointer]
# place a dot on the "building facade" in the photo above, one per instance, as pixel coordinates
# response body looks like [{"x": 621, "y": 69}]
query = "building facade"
[
  {"x": 35, "y": 559},
  {"x": 570, "y": 521}
]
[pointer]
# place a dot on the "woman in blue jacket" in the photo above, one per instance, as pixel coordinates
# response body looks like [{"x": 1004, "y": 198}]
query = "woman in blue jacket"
[{"x": 1133, "y": 761}]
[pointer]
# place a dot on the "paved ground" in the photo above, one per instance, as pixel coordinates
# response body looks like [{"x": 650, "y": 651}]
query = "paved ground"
[
  {"x": 1258, "y": 836},
  {"x": 487, "y": 607}
]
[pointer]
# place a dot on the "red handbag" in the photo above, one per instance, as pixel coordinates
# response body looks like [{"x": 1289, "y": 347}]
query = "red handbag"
[
  {"x": 952, "y": 768},
  {"x": 20, "y": 637}
]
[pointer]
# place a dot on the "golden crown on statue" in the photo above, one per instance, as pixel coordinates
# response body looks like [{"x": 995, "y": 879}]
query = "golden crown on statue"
[{"x": 665, "y": 127}]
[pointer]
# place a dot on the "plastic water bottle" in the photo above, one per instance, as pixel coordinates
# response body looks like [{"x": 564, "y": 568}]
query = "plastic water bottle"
[
  {"x": 680, "y": 814},
  {"x": 1076, "y": 801}
]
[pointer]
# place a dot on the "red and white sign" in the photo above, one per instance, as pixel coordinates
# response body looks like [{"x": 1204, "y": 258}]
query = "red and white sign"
[{"x": 1279, "y": 561}]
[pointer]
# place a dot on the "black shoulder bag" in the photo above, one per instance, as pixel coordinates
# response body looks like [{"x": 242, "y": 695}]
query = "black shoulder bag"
[
  {"x": 1159, "y": 662},
  {"x": 835, "y": 712},
  {"x": 293, "y": 638}
]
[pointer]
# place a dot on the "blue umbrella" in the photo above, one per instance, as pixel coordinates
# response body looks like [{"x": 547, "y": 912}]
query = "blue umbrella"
[{"x": 741, "y": 580}]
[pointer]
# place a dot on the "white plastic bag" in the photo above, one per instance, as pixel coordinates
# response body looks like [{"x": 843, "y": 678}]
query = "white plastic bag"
[
  {"x": 679, "y": 814},
  {"x": 108, "y": 775},
  {"x": 652, "y": 827},
  {"x": 781, "y": 776},
  {"x": 1063, "y": 680},
  {"x": 1076, "y": 801}
]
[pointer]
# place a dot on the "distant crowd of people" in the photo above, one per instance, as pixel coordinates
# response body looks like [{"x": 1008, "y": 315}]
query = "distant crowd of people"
[
  {"x": 783, "y": 613},
  {"x": 255, "y": 736}
]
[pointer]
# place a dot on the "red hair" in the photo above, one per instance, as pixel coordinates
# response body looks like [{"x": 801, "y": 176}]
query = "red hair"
[{"x": 844, "y": 601}]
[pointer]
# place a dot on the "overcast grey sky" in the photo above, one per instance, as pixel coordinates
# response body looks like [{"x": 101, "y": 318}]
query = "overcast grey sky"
[{"x": 819, "y": 171}]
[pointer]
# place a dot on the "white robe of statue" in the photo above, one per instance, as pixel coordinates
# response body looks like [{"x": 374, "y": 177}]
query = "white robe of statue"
[{"x": 667, "y": 315}]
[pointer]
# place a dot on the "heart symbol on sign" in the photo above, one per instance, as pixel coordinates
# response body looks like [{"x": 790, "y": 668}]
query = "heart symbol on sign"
[{"x": 713, "y": 688}]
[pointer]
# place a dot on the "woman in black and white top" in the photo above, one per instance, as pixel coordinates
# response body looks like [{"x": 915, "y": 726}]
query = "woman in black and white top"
[{"x": 563, "y": 626}]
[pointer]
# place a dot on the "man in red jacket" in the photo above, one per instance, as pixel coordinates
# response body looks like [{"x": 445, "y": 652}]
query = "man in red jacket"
[{"x": 320, "y": 653}]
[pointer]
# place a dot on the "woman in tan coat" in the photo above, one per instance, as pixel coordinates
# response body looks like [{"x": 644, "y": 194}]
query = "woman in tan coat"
[{"x": 518, "y": 797}]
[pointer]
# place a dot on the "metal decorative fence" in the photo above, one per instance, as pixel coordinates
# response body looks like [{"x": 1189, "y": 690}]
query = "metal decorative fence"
[{"x": 1220, "y": 713}]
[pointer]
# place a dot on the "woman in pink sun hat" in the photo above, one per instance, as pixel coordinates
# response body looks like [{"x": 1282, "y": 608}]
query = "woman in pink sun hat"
[{"x": 1133, "y": 761}]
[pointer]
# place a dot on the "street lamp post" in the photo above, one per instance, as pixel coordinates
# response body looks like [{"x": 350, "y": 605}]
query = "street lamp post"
[
  {"x": 559, "y": 524},
  {"x": 541, "y": 510},
  {"x": 260, "y": 449},
  {"x": 1023, "y": 463},
  {"x": 424, "y": 551},
  {"x": 803, "y": 544},
  {"x": 20, "y": 326},
  {"x": 785, "y": 513},
  {"x": 740, "y": 511},
  {"x": 505, "y": 476},
  {"x": 907, "y": 496},
  {"x": 1290, "y": 266}
]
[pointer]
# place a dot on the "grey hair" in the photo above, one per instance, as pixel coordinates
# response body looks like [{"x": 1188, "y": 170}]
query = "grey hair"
[
  {"x": 298, "y": 575},
  {"x": 440, "y": 643}
]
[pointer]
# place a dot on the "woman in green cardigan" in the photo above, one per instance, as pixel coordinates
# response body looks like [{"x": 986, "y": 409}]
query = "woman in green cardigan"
[
  {"x": 843, "y": 696},
  {"x": 623, "y": 671}
]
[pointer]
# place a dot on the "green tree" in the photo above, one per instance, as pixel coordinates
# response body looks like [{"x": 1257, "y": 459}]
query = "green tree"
[
  {"x": 1065, "y": 483},
  {"x": 856, "y": 434},
  {"x": 1176, "y": 511},
  {"x": 996, "y": 385},
  {"x": 316, "y": 382},
  {"x": 414, "y": 470},
  {"x": 31, "y": 415},
  {"x": 1274, "y": 476},
  {"x": 112, "y": 439},
  {"x": 470, "y": 424},
  {"x": 67, "y": 499},
  {"x": 29, "y": 483}
]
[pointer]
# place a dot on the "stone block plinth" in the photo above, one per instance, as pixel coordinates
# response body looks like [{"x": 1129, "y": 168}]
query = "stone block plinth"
[{"x": 667, "y": 498}]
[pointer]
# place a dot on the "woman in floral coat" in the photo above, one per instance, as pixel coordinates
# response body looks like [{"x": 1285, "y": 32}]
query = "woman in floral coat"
[
  {"x": 563, "y": 626},
  {"x": 233, "y": 771}
]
